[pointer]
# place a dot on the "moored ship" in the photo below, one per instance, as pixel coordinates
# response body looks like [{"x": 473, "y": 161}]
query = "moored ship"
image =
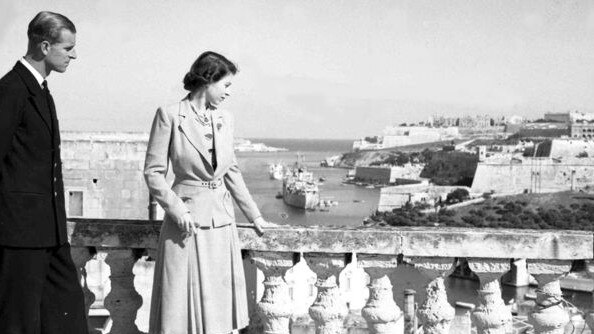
[{"x": 301, "y": 191}]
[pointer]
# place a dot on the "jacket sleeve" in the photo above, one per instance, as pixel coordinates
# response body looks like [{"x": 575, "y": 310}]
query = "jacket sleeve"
[
  {"x": 236, "y": 186},
  {"x": 156, "y": 165},
  {"x": 10, "y": 114}
]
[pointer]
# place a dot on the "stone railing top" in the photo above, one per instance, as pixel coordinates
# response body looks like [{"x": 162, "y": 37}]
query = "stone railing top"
[{"x": 409, "y": 241}]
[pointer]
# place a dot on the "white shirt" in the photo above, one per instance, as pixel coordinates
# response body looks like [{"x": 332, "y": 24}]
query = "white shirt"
[{"x": 36, "y": 74}]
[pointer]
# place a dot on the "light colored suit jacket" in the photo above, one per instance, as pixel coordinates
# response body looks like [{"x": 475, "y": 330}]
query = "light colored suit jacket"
[{"x": 177, "y": 137}]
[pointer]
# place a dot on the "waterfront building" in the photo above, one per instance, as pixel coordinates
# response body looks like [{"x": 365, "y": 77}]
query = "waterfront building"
[{"x": 395, "y": 136}]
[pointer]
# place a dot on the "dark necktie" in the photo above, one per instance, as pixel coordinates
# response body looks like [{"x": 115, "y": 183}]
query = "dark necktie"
[{"x": 50, "y": 105}]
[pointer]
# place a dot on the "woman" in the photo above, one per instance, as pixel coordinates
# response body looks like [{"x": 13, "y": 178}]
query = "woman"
[{"x": 199, "y": 282}]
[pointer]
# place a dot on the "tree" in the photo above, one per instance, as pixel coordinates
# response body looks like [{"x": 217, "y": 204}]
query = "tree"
[{"x": 458, "y": 195}]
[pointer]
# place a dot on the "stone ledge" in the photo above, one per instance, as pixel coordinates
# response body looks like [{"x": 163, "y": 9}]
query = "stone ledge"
[{"x": 409, "y": 241}]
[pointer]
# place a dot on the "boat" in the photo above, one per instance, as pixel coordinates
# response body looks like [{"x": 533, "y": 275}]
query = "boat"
[
  {"x": 300, "y": 190},
  {"x": 276, "y": 171}
]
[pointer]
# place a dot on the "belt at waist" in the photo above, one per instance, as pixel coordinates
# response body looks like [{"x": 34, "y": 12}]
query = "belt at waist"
[{"x": 203, "y": 184}]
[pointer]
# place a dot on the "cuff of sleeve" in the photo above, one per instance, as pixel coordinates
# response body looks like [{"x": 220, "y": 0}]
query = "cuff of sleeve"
[
  {"x": 252, "y": 220},
  {"x": 178, "y": 211}
]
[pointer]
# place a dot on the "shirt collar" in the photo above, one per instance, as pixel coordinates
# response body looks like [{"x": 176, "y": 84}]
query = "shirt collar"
[{"x": 33, "y": 71}]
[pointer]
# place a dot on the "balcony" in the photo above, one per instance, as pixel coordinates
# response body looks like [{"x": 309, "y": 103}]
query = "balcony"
[{"x": 380, "y": 252}]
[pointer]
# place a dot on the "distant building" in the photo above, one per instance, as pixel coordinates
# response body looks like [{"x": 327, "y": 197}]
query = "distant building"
[
  {"x": 395, "y": 136},
  {"x": 364, "y": 144},
  {"x": 582, "y": 129},
  {"x": 544, "y": 130},
  {"x": 557, "y": 117},
  {"x": 582, "y": 125},
  {"x": 467, "y": 121}
]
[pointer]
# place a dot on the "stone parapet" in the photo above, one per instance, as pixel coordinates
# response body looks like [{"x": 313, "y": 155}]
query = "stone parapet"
[
  {"x": 409, "y": 241},
  {"x": 328, "y": 250}
]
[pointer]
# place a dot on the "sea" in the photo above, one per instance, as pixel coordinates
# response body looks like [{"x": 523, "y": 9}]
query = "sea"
[{"x": 354, "y": 202}]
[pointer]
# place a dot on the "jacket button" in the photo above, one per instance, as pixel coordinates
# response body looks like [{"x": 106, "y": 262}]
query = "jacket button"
[{"x": 55, "y": 193}]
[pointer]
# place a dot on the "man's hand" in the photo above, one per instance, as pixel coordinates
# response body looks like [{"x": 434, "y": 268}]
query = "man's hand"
[{"x": 186, "y": 224}]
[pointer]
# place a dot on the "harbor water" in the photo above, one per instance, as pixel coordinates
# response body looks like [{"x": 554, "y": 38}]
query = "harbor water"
[{"x": 354, "y": 204}]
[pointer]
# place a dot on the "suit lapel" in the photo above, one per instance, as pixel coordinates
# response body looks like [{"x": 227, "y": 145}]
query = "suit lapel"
[
  {"x": 37, "y": 95},
  {"x": 188, "y": 126},
  {"x": 38, "y": 102},
  {"x": 222, "y": 145}
]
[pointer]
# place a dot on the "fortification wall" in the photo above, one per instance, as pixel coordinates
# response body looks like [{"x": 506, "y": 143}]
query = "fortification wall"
[
  {"x": 373, "y": 174},
  {"x": 408, "y": 171},
  {"x": 385, "y": 175},
  {"x": 533, "y": 175},
  {"x": 571, "y": 148}
]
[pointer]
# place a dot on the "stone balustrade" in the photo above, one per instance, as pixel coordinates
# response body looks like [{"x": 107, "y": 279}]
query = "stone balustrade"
[{"x": 378, "y": 251}]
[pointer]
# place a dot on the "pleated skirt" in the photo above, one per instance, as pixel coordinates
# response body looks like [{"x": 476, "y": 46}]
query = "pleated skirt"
[{"x": 199, "y": 282}]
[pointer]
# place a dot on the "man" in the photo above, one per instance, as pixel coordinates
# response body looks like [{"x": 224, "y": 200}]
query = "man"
[{"x": 39, "y": 289}]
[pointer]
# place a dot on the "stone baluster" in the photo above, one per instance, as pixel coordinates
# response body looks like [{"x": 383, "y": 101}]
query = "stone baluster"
[
  {"x": 436, "y": 313},
  {"x": 329, "y": 309},
  {"x": 382, "y": 314},
  {"x": 410, "y": 312},
  {"x": 123, "y": 301},
  {"x": 589, "y": 318},
  {"x": 274, "y": 309},
  {"x": 80, "y": 257},
  {"x": 549, "y": 315},
  {"x": 491, "y": 316}
]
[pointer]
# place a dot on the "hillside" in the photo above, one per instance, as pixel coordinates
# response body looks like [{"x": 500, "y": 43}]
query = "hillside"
[
  {"x": 451, "y": 168},
  {"x": 564, "y": 210}
]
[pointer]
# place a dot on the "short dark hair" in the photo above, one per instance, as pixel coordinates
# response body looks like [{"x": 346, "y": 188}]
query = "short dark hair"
[
  {"x": 46, "y": 26},
  {"x": 208, "y": 68}
]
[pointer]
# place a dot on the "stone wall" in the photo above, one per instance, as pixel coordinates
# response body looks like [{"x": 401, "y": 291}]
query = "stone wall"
[
  {"x": 373, "y": 174},
  {"x": 571, "y": 148},
  {"x": 103, "y": 175},
  {"x": 385, "y": 175},
  {"x": 397, "y": 196},
  {"x": 536, "y": 175}
]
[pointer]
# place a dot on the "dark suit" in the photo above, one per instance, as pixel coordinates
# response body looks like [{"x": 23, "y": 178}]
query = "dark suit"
[{"x": 37, "y": 276}]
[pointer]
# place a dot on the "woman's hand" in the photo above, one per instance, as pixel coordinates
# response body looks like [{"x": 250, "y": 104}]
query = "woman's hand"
[
  {"x": 260, "y": 224},
  {"x": 186, "y": 224}
]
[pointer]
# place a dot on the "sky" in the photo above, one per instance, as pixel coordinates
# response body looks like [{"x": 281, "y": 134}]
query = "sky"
[{"x": 318, "y": 68}]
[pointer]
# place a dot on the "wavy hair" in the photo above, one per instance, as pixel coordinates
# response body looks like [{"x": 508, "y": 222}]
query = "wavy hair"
[
  {"x": 210, "y": 67},
  {"x": 46, "y": 26}
]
